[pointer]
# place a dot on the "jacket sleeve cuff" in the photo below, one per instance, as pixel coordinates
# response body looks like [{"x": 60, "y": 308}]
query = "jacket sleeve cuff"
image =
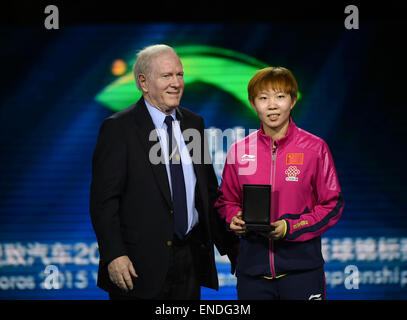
[
  {"x": 285, "y": 228},
  {"x": 231, "y": 213}
]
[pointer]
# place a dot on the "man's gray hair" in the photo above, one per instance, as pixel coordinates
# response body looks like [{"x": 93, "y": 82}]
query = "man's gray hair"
[{"x": 144, "y": 57}]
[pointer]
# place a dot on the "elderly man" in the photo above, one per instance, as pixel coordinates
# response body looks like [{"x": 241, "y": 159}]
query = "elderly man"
[{"x": 154, "y": 220}]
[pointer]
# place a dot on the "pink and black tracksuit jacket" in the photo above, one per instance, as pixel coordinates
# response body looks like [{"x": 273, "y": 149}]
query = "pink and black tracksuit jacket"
[{"x": 305, "y": 193}]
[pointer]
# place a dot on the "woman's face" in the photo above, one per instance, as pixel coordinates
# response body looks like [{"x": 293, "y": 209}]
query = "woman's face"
[{"x": 273, "y": 108}]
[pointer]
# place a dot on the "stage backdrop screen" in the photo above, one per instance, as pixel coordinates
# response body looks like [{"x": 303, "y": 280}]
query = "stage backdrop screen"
[{"x": 59, "y": 87}]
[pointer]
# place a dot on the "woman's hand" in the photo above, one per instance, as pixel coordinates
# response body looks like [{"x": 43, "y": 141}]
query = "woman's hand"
[
  {"x": 237, "y": 224},
  {"x": 279, "y": 231}
]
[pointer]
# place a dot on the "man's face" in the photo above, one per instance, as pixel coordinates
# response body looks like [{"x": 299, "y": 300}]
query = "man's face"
[
  {"x": 273, "y": 108},
  {"x": 164, "y": 86}
]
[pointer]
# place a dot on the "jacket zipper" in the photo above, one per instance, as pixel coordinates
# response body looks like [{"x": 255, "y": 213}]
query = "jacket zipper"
[{"x": 272, "y": 182}]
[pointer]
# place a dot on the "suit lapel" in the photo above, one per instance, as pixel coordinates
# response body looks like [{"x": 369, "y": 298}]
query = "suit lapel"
[{"x": 144, "y": 126}]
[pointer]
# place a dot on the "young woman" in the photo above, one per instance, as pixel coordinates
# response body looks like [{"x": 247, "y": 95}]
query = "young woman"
[{"x": 306, "y": 198}]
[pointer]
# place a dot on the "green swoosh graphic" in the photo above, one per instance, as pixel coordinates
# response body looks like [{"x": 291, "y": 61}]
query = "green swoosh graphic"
[{"x": 225, "y": 69}]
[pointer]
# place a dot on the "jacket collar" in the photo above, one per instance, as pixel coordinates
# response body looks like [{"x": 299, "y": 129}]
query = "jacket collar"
[{"x": 292, "y": 128}]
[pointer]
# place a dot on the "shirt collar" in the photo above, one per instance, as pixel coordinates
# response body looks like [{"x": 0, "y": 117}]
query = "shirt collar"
[{"x": 157, "y": 115}]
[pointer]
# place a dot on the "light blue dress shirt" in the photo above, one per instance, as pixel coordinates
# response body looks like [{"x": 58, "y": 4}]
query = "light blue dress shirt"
[{"x": 187, "y": 165}]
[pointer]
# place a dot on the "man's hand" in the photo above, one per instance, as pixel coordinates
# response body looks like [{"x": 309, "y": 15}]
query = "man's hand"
[
  {"x": 279, "y": 229},
  {"x": 237, "y": 224},
  {"x": 120, "y": 271}
]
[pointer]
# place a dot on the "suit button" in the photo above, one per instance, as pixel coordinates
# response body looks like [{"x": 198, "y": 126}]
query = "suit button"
[
  {"x": 169, "y": 243},
  {"x": 171, "y": 211}
]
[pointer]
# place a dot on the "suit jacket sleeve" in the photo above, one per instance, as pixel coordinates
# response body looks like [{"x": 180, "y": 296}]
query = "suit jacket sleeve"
[{"x": 108, "y": 181}]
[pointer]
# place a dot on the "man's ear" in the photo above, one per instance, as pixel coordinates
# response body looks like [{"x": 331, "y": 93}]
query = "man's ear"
[{"x": 142, "y": 79}]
